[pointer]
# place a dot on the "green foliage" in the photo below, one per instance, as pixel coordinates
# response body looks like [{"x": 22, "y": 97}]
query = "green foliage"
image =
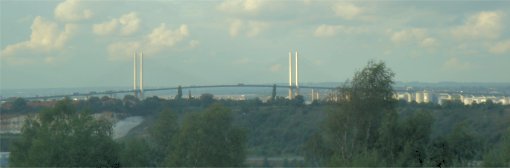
[
  {"x": 440, "y": 153},
  {"x": 299, "y": 100},
  {"x": 209, "y": 139},
  {"x": 370, "y": 95},
  {"x": 464, "y": 144},
  {"x": 316, "y": 151},
  {"x": 352, "y": 128},
  {"x": 130, "y": 101},
  {"x": 63, "y": 137},
  {"x": 206, "y": 99},
  {"x": 163, "y": 133},
  {"x": 390, "y": 143},
  {"x": 135, "y": 153},
  {"x": 499, "y": 155},
  {"x": 19, "y": 105},
  {"x": 415, "y": 135}
]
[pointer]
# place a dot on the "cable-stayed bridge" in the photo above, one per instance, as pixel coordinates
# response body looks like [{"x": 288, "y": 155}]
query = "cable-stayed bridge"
[{"x": 111, "y": 92}]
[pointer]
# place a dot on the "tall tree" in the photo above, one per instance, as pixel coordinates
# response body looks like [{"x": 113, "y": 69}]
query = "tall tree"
[
  {"x": 465, "y": 144},
  {"x": 273, "y": 95},
  {"x": 135, "y": 153},
  {"x": 352, "y": 128},
  {"x": 499, "y": 155},
  {"x": 63, "y": 137},
  {"x": 414, "y": 135},
  {"x": 209, "y": 139},
  {"x": 19, "y": 104},
  {"x": 370, "y": 96},
  {"x": 179, "y": 93},
  {"x": 163, "y": 133}
]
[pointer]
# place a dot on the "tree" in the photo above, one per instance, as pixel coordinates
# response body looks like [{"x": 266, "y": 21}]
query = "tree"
[
  {"x": 130, "y": 101},
  {"x": 209, "y": 139},
  {"x": 135, "y": 153},
  {"x": 389, "y": 142},
  {"x": 316, "y": 151},
  {"x": 206, "y": 99},
  {"x": 352, "y": 129},
  {"x": 299, "y": 100},
  {"x": 370, "y": 96},
  {"x": 440, "y": 153},
  {"x": 19, "y": 105},
  {"x": 163, "y": 133},
  {"x": 499, "y": 155},
  {"x": 273, "y": 95},
  {"x": 179, "y": 93},
  {"x": 464, "y": 144},
  {"x": 63, "y": 137},
  {"x": 414, "y": 134}
]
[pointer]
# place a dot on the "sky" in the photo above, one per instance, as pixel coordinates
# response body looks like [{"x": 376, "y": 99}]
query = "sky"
[{"x": 73, "y": 43}]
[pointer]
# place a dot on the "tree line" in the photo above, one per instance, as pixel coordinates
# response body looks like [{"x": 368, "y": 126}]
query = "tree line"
[
  {"x": 365, "y": 127},
  {"x": 62, "y": 136}
]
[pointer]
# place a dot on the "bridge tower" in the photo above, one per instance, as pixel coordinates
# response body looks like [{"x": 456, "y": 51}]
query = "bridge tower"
[
  {"x": 141, "y": 75},
  {"x": 293, "y": 90},
  {"x": 290, "y": 75},
  {"x": 138, "y": 90},
  {"x": 297, "y": 75},
  {"x": 135, "y": 91}
]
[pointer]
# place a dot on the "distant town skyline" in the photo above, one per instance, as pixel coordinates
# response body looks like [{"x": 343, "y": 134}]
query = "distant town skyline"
[{"x": 73, "y": 43}]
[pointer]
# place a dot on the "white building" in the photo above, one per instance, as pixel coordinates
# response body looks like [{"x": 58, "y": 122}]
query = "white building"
[
  {"x": 443, "y": 97},
  {"x": 12, "y": 124},
  {"x": 427, "y": 97},
  {"x": 418, "y": 97}
]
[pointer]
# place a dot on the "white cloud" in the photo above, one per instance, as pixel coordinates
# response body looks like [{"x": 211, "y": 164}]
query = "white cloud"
[
  {"x": 255, "y": 27},
  {"x": 241, "y": 6},
  {"x": 46, "y": 36},
  {"x": 106, "y": 27},
  {"x": 161, "y": 37},
  {"x": 325, "y": 30},
  {"x": 501, "y": 47},
  {"x": 428, "y": 42},
  {"x": 481, "y": 25},
  {"x": 235, "y": 27},
  {"x": 414, "y": 35},
  {"x": 346, "y": 10},
  {"x": 251, "y": 28},
  {"x": 122, "y": 50},
  {"x": 72, "y": 10},
  {"x": 127, "y": 24},
  {"x": 130, "y": 23},
  {"x": 457, "y": 65},
  {"x": 276, "y": 68},
  {"x": 165, "y": 37},
  {"x": 194, "y": 43}
]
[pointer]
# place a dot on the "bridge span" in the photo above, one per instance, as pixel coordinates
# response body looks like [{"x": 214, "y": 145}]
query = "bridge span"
[
  {"x": 110, "y": 92},
  {"x": 240, "y": 85}
]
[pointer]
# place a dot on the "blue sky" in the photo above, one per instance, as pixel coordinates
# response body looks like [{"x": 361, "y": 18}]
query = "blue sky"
[{"x": 73, "y": 43}]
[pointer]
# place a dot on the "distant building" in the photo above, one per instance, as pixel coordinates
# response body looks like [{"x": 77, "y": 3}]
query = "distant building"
[
  {"x": 12, "y": 124},
  {"x": 418, "y": 97},
  {"x": 427, "y": 97},
  {"x": 444, "y": 97}
]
